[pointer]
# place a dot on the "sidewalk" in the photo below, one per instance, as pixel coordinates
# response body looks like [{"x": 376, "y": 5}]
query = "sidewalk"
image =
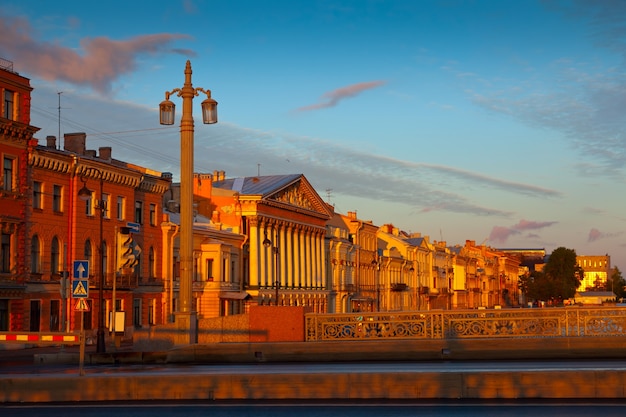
[{"x": 20, "y": 354}]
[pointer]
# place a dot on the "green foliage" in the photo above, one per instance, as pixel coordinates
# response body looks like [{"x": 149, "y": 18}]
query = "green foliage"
[
  {"x": 617, "y": 283},
  {"x": 558, "y": 281}
]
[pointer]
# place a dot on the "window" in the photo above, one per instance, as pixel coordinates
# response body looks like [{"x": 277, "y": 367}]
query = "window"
[
  {"x": 137, "y": 312},
  {"x": 209, "y": 269},
  {"x": 9, "y": 108},
  {"x": 55, "y": 256},
  {"x": 152, "y": 214},
  {"x": 8, "y": 180},
  {"x": 138, "y": 212},
  {"x": 151, "y": 311},
  {"x": 121, "y": 202},
  {"x": 35, "y": 315},
  {"x": 104, "y": 205},
  {"x": 55, "y": 308},
  {"x": 35, "y": 255},
  {"x": 57, "y": 191},
  {"x": 89, "y": 205},
  {"x": 37, "y": 195},
  {"x": 4, "y": 315},
  {"x": 5, "y": 253}
]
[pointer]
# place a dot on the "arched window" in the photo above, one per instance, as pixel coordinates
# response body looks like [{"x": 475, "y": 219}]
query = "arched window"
[
  {"x": 55, "y": 256},
  {"x": 35, "y": 255}
]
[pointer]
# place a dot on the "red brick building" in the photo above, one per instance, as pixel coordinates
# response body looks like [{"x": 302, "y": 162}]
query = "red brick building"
[
  {"x": 65, "y": 228},
  {"x": 16, "y": 139}
]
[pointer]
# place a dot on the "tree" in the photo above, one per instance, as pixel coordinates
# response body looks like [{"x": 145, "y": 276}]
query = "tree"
[
  {"x": 562, "y": 273},
  {"x": 616, "y": 283}
]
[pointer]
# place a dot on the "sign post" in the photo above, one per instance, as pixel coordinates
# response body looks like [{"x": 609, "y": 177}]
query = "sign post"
[{"x": 80, "y": 291}]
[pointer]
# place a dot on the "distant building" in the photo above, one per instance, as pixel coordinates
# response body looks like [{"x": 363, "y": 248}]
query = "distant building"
[{"x": 597, "y": 271}]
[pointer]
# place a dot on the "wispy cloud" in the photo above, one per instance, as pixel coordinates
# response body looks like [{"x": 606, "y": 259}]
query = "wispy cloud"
[
  {"x": 500, "y": 234},
  {"x": 332, "y": 98},
  {"x": 595, "y": 235},
  {"x": 97, "y": 64},
  {"x": 583, "y": 101}
]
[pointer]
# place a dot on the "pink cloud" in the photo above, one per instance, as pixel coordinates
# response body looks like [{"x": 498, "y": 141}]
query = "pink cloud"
[
  {"x": 531, "y": 225},
  {"x": 500, "y": 234},
  {"x": 594, "y": 234},
  {"x": 102, "y": 61},
  {"x": 331, "y": 98}
]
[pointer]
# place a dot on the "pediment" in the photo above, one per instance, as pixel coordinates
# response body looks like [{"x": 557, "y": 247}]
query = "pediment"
[{"x": 300, "y": 195}]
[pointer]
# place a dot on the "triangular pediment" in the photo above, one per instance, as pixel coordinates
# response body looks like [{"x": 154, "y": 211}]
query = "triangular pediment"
[{"x": 300, "y": 195}]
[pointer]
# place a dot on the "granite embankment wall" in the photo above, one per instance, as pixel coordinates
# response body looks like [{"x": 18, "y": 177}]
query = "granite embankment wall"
[{"x": 325, "y": 384}]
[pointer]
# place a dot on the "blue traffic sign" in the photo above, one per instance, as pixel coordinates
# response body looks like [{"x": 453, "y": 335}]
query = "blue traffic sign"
[
  {"x": 81, "y": 269},
  {"x": 133, "y": 227},
  {"x": 80, "y": 288}
]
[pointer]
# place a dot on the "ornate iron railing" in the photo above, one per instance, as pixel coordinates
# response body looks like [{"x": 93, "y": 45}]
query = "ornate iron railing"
[{"x": 467, "y": 324}]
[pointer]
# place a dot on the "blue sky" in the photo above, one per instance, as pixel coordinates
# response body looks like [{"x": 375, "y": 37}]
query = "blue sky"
[{"x": 496, "y": 121}]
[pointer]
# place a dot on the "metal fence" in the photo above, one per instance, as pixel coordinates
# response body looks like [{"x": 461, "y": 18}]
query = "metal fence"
[{"x": 469, "y": 324}]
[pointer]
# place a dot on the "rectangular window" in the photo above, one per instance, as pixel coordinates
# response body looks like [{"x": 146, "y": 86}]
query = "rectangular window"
[
  {"x": 57, "y": 191},
  {"x": 137, "y": 312},
  {"x": 5, "y": 253},
  {"x": 55, "y": 308},
  {"x": 4, "y": 315},
  {"x": 89, "y": 205},
  {"x": 151, "y": 311},
  {"x": 152, "y": 214},
  {"x": 139, "y": 212},
  {"x": 104, "y": 205},
  {"x": 121, "y": 203},
  {"x": 37, "y": 195},
  {"x": 35, "y": 315},
  {"x": 8, "y": 169},
  {"x": 9, "y": 105},
  {"x": 209, "y": 269}
]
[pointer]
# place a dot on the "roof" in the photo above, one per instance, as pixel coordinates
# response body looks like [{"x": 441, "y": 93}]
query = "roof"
[{"x": 263, "y": 185}]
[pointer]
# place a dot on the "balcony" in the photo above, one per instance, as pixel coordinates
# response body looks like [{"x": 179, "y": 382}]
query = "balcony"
[{"x": 398, "y": 286}]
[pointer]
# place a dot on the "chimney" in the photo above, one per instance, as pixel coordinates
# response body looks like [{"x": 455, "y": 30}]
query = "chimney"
[
  {"x": 51, "y": 142},
  {"x": 90, "y": 153},
  {"x": 75, "y": 142},
  {"x": 215, "y": 176},
  {"x": 352, "y": 215},
  {"x": 222, "y": 175},
  {"x": 105, "y": 153}
]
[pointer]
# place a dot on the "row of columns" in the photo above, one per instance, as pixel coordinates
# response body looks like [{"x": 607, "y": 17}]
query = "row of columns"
[{"x": 301, "y": 254}]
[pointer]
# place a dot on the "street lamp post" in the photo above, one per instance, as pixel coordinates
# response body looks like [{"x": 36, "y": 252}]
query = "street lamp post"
[
  {"x": 268, "y": 243},
  {"x": 85, "y": 194},
  {"x": 185, "y": 316}
]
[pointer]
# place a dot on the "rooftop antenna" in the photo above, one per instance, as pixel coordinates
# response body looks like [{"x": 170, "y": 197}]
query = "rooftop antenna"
[
  {"x": 59, "y": 93},
  {"x": 258, "y": 170},
  {"x": 329, "y": 192}
]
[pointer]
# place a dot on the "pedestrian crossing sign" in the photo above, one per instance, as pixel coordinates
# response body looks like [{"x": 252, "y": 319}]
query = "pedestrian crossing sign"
[
  {"x": 80, "y": 288},
  {"x": 81, "y": 305}
]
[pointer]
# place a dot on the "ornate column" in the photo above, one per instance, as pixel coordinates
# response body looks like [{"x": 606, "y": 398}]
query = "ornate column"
[{"x": 255, "y": 250}]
